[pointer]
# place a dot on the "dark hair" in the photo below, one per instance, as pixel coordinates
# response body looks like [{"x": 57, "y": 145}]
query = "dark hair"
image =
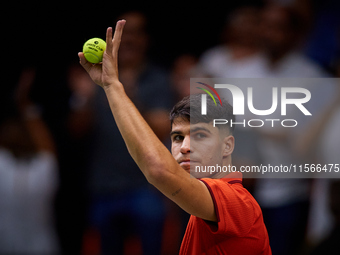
[{"x": 189, "y": 108}]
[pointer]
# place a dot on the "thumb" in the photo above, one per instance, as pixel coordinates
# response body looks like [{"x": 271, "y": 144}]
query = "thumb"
[{"x": 82, "y": 60}]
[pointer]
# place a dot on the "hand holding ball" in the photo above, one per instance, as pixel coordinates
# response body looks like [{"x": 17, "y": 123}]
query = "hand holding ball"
[
  {"x": 93, "y": 50},
  {"x": 96, "y": 51}
]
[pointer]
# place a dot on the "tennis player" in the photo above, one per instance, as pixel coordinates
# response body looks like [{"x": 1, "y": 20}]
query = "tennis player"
[{"x": 225, "y": 218}]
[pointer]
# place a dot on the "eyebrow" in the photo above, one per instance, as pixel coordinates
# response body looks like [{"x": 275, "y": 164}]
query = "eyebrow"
[
  {"x": 175, "y": 133},
  {"x": 191, "y": 130},
  {"x": 200, "y": 129}
]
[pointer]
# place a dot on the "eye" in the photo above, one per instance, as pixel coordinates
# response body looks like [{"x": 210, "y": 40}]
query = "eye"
[
  {"x": 200, "y": 135},
  {"x": 177, "y": 138}
]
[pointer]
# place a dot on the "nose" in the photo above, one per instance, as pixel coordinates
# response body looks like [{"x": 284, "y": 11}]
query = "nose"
[{"x": 185, "y": 147}]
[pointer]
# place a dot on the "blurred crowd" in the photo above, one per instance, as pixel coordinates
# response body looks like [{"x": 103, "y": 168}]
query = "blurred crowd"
[{"x": 69, "y": 186}]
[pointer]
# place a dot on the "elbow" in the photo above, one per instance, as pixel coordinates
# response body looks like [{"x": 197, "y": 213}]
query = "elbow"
[
  {"x": 156, "y": 167},
  {"x": 159, "y": 171},
  {"x": 156, "y": 173}
]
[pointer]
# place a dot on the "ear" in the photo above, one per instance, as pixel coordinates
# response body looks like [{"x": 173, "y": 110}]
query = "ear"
[{"x": 229, "y": 144}]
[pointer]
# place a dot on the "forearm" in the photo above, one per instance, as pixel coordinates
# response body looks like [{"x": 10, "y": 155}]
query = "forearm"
[
  {"x": 37, "y": 129},
  {"x": 152, "y": 157}
]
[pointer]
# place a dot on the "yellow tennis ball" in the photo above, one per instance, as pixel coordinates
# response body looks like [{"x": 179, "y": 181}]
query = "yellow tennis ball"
[{"x": 93, "y": 50}]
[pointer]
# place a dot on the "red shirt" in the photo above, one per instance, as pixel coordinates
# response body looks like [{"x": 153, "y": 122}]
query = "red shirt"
[{"x": 239, "y": 228}]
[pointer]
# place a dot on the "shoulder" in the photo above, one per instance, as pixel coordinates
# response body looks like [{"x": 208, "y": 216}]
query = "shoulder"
[
  {"x": 47, "y": 158},
  {"x": 228, "y": 189},
  {"x": 235, "y": 207},
  {"x": 7, "y": 161},
  {"x": 44, "y": 158},
  {"x": 213, "y": 61},
  {"x": 216, "y": 55},
  {"x": 303, "y": 66},
  {"x": 216, "y": 51},
  {"x": 5, "y": 154}
]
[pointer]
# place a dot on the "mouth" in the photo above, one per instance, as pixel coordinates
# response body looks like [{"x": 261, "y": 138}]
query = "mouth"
[{"x": 186, "y": 163}]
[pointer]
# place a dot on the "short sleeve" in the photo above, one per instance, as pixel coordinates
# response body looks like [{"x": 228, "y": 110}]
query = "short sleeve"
[{"x": 233, "y": 206}]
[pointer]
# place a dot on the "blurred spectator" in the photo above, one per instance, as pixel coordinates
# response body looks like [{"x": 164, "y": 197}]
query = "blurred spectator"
[
  {"x": 281, "y": 35},
  {"x": 330, "y": 245},
  {"x": 239, "y": 55},
  {"x": 184, "y": 68},
  {"x": 82, "y": 89},
  {"x": 273, "y": 54},
  {"x": 302, "y": 7},
  {"x": 324, "y": 219},
  {"x": 123, "y": 204},
  {"x": 285, "y": 202},
  {"x": 74, "y": 144},
  {"x": 321, "y": 143},
  {"x": 28, "y": 178}
]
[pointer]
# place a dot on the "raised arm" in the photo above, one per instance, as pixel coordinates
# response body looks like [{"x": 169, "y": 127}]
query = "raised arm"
[
  {"x": 152, "y": 157},
  {"x": 37, "y": 129}
]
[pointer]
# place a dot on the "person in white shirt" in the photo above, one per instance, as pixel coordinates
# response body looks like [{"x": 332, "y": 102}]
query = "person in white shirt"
[
  {"x": 239, "y": 55},
  {"x": 28, "y": 178}
]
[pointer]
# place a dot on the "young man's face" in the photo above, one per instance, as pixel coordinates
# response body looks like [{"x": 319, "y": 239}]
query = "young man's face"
[{"x": 197, "y": 145}]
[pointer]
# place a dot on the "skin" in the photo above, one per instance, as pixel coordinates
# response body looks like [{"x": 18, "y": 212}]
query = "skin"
[
  {"x": 201, "y": 144},
  {"x": 160, "y": 167}
]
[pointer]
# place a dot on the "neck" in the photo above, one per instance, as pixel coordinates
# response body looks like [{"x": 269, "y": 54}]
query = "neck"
[
  {"x": 276, "y": 57},
  {"x": 219, "y": 175},
  {"x": 226, "y": 168},
  {"x": 241, "y": 51}
]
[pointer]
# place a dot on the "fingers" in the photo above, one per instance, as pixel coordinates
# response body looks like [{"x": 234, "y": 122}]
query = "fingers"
[
  {"x": 87, "y": 65},
  {"x": 109, "y": 41},
  {"x": 112, "y": 45},
  {"x": 118, "y": 34}
]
